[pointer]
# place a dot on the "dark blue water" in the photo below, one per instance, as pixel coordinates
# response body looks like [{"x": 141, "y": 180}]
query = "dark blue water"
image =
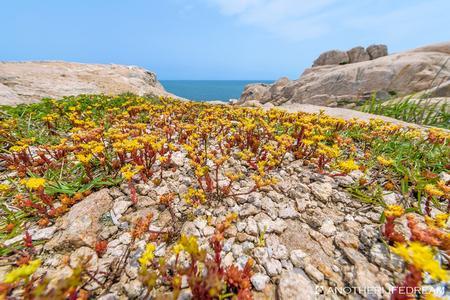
[{"x": 207, "y": 90}]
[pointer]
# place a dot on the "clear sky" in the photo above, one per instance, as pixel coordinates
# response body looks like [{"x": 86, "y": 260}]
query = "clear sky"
[{"x": 214, "y": 39}]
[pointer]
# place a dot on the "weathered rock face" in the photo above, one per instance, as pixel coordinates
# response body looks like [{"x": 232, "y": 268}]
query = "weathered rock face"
[
  {"x": 358, "y": 54},
  {"x": 81, "y": 226},
  {"x": 345, "y": 85},
  {"x": 25, "y": 82},
  {"x": 376, "y": 51},
  {"x": 354, "y": 55},
  {"x": 333, "y": 57}
]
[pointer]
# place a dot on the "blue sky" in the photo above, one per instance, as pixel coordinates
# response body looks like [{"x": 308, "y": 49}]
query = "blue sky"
[{"x": 214, "y": 39}]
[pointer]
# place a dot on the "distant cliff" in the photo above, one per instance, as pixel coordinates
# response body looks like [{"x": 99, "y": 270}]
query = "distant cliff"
[
  {"x": 347, "y": 78},
  {"x": 25, "y": 82}
]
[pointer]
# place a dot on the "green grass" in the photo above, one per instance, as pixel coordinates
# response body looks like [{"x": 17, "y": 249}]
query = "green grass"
[{"x": 422, "y": 111}]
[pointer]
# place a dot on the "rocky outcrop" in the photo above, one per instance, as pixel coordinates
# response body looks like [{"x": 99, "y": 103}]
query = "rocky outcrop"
[
  {"x": 354, "y": 55},
  {"x": 349, "y": 84},
  {"x": 25, "y": 82}
]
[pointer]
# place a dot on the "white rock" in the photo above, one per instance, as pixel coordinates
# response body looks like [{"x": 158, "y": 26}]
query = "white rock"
[
  {"x": 322, "y": 191},
  {"x": 273, "y": 266},
  {"x": 252, "y": 227},
  {"x": 208, "y": 230},
  {"x": 298, "y": 258},
  {"x": 200, "y": 223},
  {"x": 288, "y": 211},
  {"x": 237, "y": 251},
  {"x": 313, "y": 273},
  {"x": 259, "y": 281},
  {"x": 82, "y": 255},
  {"x": 328, "y": 229},
  {"x": 295, "y": 286},
  {"x": 228, "y": 259},
  {"x": 279, "y": 251},
  {"x": 120, "y": 206}
]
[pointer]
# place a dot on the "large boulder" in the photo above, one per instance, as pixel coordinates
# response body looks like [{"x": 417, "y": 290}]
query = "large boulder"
[
  {"x": 376, "y": 51},
  {"x": 332, "y": 57},
  {"x": 81, "y": 225},
  {"x": 397, "y": 74},
  {"x": 26, "y": 82},
  {"x": 357, "y": 54}
]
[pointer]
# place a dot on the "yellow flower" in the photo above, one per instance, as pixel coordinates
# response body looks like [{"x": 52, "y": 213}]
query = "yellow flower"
[
  {"x": 178, "y": 248},
  {"x": 348, "y": 165},
  {"x": 432, "y": 190},
  {"x": 84, "y": 158},
  {"x": 22, "y": 272},
  {"x": 128, "y": 171},
  {"x": 147, "y": 256},
  {"x": 4, "y": 187},
  {"x": 394, "y": 211},
  {"x": 440, "y": 220},
  {"x": 33, "y": 183},
  {"x": 421, "y": 257},
  {"x": 195, "y": 195},
  {"x": 384, "y": 161}
]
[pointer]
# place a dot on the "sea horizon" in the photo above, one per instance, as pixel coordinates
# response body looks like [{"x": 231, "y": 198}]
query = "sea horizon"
[{"x": 208, "y": 89}]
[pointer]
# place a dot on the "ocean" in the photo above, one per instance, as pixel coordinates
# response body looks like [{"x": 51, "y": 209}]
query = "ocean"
[{"x": 208, "y": 90}]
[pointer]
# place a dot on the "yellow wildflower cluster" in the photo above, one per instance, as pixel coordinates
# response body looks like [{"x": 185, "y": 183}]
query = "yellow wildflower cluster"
[
  {"x": 128, "y": 171},
  {"x": 440, "y": 220},
  {"x": 22, "y": 272},
  {"x": 33, "y": 183},
  {"x": 195, "y": 196},
  {"x": 348, "y": 165},
  {"x": 421, "y": 257},
  {"x": 394, "y": 211},
  {"x": 433, "y": 191},
  {"x": 147, "y": 256}
]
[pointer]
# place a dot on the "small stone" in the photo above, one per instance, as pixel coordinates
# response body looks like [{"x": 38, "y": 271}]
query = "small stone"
[
  {"x": 252, "y": 227},
  {"x": 322, "y": 191},
  {"x": 259, "y": 281},
  {"x": 391, "y": 198},
  {"x": 237, "y": 251},
  {"x": 133, "y": 289},
  {"x": 247, "y": 246},
  {"x": 279, "y": 251},
  {"x": 273, "y": 266},
  {"x": 313, "y": 273},
  {"x": 295, "y": 286},
  {"x": 208, "y": 230},
  {"x": 125, "y": 238},
  {"x": 228, "y": 259},
  {"x": 190, "y": 229},
  {"x": 328, "y": 229},
  {"x": 287, "y": 211},
  {"x": 160, "y": 251},
  {"x": 200, "y": 223},
  {"x": 82, "y": 255},
  {"x": 240, "y": 226},
  {"x": 248, "y": 210},
  {"x": 298, "y": 258}
]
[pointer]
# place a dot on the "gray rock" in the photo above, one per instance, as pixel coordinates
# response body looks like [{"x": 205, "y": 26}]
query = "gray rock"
[
  {"x": 26, "y": 82},
  {"x": 298, "y": 258},
  {"x": 404, "y": 73},
  {"x": 332, "y": 57},
  {"x": 313, "y": 273},
  {"x": 295, "y": 286},
  {"x": 322, "y": 191},
  {"x": 80, "y": 226},
  {"x": 328, "y": 229},
  {"x": 84, "y": 255},
  {"x": 376, "y": 51},
  {"x": 357, "y": 54},
  {"x": 259, "y": 281}
]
